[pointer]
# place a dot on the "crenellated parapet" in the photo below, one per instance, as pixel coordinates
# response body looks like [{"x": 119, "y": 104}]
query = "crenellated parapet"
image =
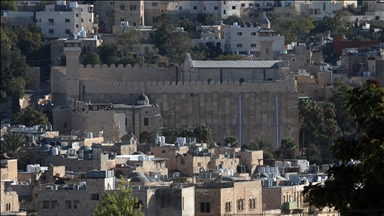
[{"x": 186, "y": 87}]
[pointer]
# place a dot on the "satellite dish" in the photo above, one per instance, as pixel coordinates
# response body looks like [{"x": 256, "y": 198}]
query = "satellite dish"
[{"x": 229, "y": 144}]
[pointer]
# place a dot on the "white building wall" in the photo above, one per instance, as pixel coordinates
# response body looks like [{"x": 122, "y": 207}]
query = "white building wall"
[{"x": 59, "y": 24}]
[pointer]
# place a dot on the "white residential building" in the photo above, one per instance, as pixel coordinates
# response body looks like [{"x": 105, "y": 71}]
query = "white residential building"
[
  {"x": 61, "y": 20},
  {"x": 317, "y": 9},
  {"x": 242, "y": 38}
]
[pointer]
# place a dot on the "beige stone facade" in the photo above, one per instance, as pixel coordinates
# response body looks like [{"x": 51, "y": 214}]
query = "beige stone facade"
[
  {"x": 229, "y": 198},
  {"x": 9, "y": 170},
  {"x": 274, "y": 197},
  {"x": 186, "y": 99}
]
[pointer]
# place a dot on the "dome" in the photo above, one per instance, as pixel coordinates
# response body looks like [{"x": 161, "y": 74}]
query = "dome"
[
  {"x": 143, "y": 100},
  {"x": 138, "y": 153},
  {"x": 142, "y": 97},
  {"x": 45, "y": 147},
  {"x": 138, "y": 177}
]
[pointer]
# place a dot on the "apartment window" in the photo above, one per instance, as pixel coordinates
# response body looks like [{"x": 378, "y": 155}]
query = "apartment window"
[
  {"x": 194, "y": 7},
  {"x": 82, "y": 20},
  {"x": 224, "y": 12},
  {"x": 67, "y": 31},
  {"x": 50, "y": 20},
  {"x": 154, "y": 3},
  {"x": 77, "y": 15},
  {"x": 240, "y": 204},
  {"x": 242, "y": 5},
  {"x": 228, "y": 206},
  {"x": 122, "y": 7},
  {"x": 133, "y": 7},
  {"x": 323, "y": 6},
  {"x": 199, "y": 164},
  {"x": 122, "y": 19},
  {"x": 252, "y": 203},
  {"x": 45, "y": 204},
  {"x": 146, "y": 121},
  {"x": 204, "y": 8},
  {"x": 77, "y": 25},
  {"x": 112, "y": 3},
  {"x": 239, "y": 45},
  {"x": 94, "y": 196},
  {"x": 233, "y": 7},
  {"x": 205, "y": 207},
  {"x": 67, "y": 20},
  {"x": 293, "y": 60},
  {"x": 250, "y": 5},
  {"x": 239, "y": 33},
  {"x": 253, "y": 33},
  {"x": 51, "y": 31},
  {"x": 216, "y": 8},
  {"x": 54, "y": 204},
  {"x": 181, "y": 8},
  {"x": 253, "y": 45},
  {"x": 76, "y": 204},
  {"x": 68, "y": 204}
]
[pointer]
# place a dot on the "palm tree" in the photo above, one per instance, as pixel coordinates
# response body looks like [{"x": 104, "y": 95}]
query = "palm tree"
[
  {"x": 232, "y": 140},
  {"x": 287, "y": 148},
  {"x": 329, "y": 110},
  {"x": 202, "y": 133},
  {"x": 332, "y": 128},
  {"x": 265, "y": 146},
  {"x": 13, "y": 145}
]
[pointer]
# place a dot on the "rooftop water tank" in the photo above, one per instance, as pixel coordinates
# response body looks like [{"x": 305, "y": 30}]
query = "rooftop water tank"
[
  {"x": 54, "y": 151},
  {"x": 73, "y": 5}
]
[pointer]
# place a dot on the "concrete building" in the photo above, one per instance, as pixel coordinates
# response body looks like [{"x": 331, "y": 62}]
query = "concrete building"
[
  {"x": 9, "y": 203},
  {"x": 317, "y": 9},
  {"x": 112, "y": 14},
  {"x": 285, "y": 198},
  {"x": 223, "y": 197},
  {"x": 58, "y": 57},
  {"x": 61, "y": 20},
  {"x": 81, "y": 199}
]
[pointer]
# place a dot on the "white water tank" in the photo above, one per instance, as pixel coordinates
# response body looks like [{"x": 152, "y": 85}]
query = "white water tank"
[
  {"x": 287, "y": 164},
  {"x": 83, "y": 34},
  {"x": 55, "y": 151},
  {"x": 235, "y": 24},
  {"x": 73, "y": 5},
  {"x": 30, "y": 168},
  {"x": 61, "y": 2},
  {"x": 94, "y": 37}
]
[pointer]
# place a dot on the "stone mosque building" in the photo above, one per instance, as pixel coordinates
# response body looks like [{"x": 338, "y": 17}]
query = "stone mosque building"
[{"x": 247, "y": 99}]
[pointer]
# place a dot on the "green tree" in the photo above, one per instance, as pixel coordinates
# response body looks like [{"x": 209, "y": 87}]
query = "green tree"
[
  {"x": 336, "y": 25},
  {"x": 232, "y": 140},
  {"x": 119, "y": 202},
  {"x": 187, "y": 24},
  {"x": 13, "y": 145},
  {"x": 91, "y": 58},
  {"x": 202, "y": 133},
  {"x": 8, "y": 5},
  {"x": 233, "y": 18},
  {"x": 186, "y": 133},
  {"x": 206, "y": 19},
  {"x": 14, "y": 76},
  {"x": 29, "y": 117},
  {"x": 357, "y": 188},
  {"x": 177, "y": 46},
  {"x": 30, "y": 40},
  {"x": 287, "y": 149},
  {"x": 107, "y": 51},
  {"x": 292, "y": 25},
  {"x": 129, "y": 42},
  {"x": 170, "y": 134},
  {"x": 164, "y": 28}
]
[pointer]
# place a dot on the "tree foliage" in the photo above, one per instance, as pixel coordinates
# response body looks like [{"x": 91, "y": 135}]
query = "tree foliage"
[
  {"x": 14, "y": 76},
  {"x": 232, "y": 140},
  {"x": 13, "y": 145},
  {"x": 30, "y": 117},
  {"x": 233, "y": 18},
  {"x": 202, "y": 133},
  {"x": 119, "y": 202},
  {"x": 91, "y": 58},
  {"x": 129, "y": 42},
  {"x": 292, "y": 25},
  {"x": 357, "y": 188},
  {"x": 8, "y": 5},
  {"x": 287, "y": 149},
  {"x": 107, "y": 51}
]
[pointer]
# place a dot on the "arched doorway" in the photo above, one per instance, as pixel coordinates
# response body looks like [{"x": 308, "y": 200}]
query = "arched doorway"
[{"x": 145, "y": 137}]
